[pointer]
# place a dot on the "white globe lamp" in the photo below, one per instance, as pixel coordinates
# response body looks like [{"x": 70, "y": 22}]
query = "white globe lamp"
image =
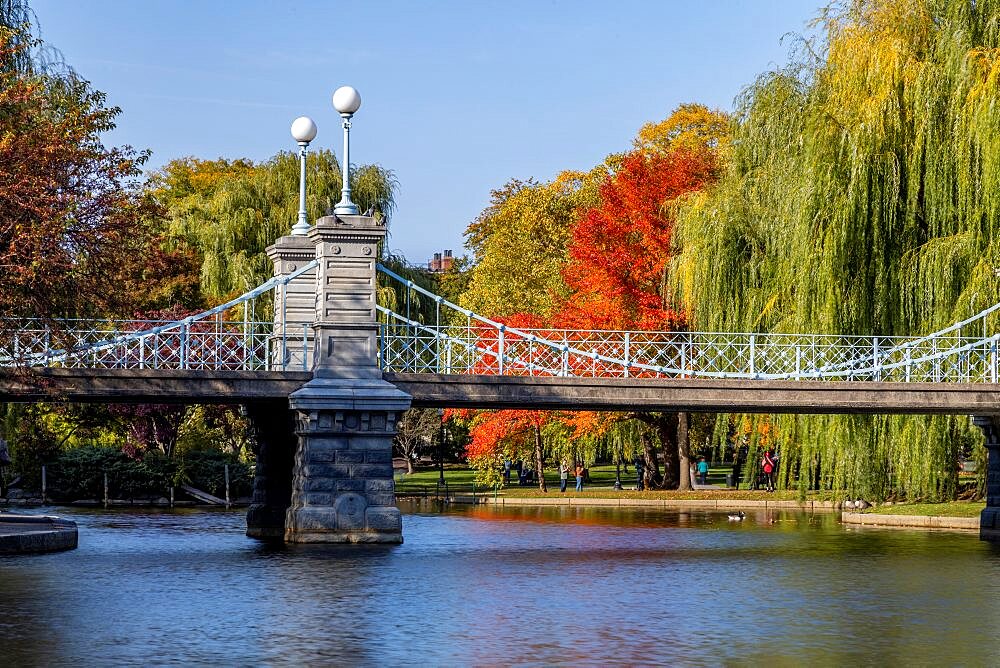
[
  {"x": 346, "y": 100},
  {"x": 303, "y": 132}
]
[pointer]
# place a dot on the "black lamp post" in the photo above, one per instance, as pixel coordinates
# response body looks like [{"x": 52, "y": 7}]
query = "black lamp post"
[{"x": 441, "y": 447}]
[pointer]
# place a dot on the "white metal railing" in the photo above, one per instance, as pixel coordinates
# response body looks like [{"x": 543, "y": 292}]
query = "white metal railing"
[
  {"x": 210, "y": 340},
  {"x": 463, "y": 342}
]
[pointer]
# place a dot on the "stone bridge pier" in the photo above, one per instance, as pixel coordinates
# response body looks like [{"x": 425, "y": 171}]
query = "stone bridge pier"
[
  {"x": 340, "y": 487},
  {"x": 989, "y": 520}
]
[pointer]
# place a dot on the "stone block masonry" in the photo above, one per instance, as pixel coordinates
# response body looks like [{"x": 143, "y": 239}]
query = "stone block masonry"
[
  {"x": 989, "y": 519},
  {"x": 339, "y": 494}
]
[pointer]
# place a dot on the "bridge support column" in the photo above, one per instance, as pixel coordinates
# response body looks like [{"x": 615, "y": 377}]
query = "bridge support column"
[
  {"x": 989, "y": 520},
  {"x": 294, "y": 305},
  {"x": 274, "y": 438},
  {"x": 342, "y": 486}
]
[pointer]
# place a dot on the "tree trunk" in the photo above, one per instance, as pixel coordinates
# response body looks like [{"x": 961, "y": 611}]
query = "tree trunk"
[
  {"x": 409, "y": 464},
  {"x": 539, "y": 464},
  {"x": 671, "y": 459},
  {"x": 683, "y": 452},
  {"x": 651, "y": 473}
]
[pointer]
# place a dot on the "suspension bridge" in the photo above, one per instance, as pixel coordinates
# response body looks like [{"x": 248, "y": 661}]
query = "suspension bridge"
[
  {"x": 232, "y": 354},
  {"x": 314, "y": 340}
]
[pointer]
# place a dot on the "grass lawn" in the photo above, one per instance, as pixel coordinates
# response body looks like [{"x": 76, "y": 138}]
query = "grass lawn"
[
  {"x": 459, "y": 475},
  {"x": 602, "y": 479},
  {"x": 461, "y": 478},
  {"x": 949, "y": 509}
]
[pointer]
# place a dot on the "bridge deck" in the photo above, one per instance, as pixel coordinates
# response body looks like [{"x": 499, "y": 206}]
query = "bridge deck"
[
  {"x": 698, "y": 395},
  {"x": 159, "y": 386},
  {"x": 467, "y": 391}
]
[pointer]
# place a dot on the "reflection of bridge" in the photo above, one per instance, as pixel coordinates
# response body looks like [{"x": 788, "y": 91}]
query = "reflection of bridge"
[{"x": 260, "y": 350}]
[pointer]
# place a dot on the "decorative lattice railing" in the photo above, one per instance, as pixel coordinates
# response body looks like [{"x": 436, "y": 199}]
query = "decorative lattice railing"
[
  {"x": 242, "y": 335},
  {"x": 229, "y": 337},
  {"x": 462, "y": 342}
]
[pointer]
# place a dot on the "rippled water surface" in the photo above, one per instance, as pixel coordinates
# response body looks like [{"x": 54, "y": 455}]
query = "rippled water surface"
[{"x": 483, "y": 586}]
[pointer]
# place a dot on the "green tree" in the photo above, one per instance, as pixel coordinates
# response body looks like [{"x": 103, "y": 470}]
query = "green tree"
[
  {"x": 230, "y": 211},
  {"x": 519, "y": 244}
]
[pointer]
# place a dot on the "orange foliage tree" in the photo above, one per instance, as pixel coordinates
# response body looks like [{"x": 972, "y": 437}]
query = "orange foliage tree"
[
  {"x": 615, "y": 277},
  {"x": 619, "y": 256},
  {"x": 507, "y": 434},
  {"x": 620, "y": 250}
]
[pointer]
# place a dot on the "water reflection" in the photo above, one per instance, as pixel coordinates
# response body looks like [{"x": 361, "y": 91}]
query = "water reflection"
[{"x": 488, "y": 586}]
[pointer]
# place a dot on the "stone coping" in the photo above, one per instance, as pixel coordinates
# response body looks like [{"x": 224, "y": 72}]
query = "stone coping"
[
  {"x": 27, "y": 534},
  {"x": 910, "y": 521},
  {"x": 702, "y": 504}
]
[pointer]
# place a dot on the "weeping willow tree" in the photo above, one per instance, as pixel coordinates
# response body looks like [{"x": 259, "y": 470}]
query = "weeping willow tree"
[
  {"x": 404, "y": 299},
  {"x": 234, "y": 211},
  {"x": 861, "y": 197},
  {"x": 37, "y": 57}
]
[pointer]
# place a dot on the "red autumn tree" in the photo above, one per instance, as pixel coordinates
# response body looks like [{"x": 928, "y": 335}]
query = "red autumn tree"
[
  {"x": 619, "y": 257},
  {"x": 72, "y": 226},
  {"x": 621, "y": 249},
  {"x": 616, "y": 273},
  {"x": 516, "y": 434}
]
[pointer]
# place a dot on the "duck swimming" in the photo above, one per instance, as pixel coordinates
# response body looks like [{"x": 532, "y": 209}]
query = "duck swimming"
[{"x": 738, "y": 517}]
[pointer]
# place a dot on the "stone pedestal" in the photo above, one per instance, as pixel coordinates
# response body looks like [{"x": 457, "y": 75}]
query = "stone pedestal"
[
  {"x": 273, "y": 427},
  {"x": 294, "y": 304},
  {"x": 989, "y": 520},
  {"x": 342, "y": 487}
]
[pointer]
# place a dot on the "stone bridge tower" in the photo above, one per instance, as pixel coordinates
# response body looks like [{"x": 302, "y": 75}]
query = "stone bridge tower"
[{"x": 340, "y": 488}]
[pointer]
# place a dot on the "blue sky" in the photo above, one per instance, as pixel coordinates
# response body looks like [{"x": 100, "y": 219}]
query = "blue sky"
[{"x": 458, "y": 97}]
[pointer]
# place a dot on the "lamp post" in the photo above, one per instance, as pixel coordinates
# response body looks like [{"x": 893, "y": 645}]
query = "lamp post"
[
  {"x": 346, "y": 100},
  {"x": 441, "y": 447},
  {"x": 303, "y": 132}
]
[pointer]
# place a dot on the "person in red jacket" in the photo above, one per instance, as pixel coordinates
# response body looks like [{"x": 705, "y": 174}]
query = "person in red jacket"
[{"x": 768, "y": 464}]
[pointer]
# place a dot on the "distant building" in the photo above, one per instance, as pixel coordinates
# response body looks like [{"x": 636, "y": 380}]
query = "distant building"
[{"x": 441, "y": 262}]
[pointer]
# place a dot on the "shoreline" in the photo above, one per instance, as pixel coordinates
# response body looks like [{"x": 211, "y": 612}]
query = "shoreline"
[
  {"x": 703, "y": 504},
  {"x": 849, "y": 518},
  {"x": 846, "y": 517},
  {"x": 910, "y": 521}
]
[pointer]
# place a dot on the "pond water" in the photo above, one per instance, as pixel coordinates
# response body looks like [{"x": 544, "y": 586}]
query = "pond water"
[{"x": 477, "y": 585}]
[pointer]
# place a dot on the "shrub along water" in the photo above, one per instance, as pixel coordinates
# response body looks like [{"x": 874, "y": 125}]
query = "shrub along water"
[{"x": 78, "y": 473}]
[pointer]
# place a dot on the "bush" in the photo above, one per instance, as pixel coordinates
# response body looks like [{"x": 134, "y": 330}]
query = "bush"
[
  {"x": 78, "y": 473},
  {"x": 205, "y": 469}
]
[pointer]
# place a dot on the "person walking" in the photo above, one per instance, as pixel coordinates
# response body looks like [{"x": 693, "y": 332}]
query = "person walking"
[
  {"x": 579, "y": 477},
  {"x": 767, "y": 465},
  {"x": 702, "y": 471},
  {"x": 563, "y": 475},
  {"x": 737, "y": 470}
]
